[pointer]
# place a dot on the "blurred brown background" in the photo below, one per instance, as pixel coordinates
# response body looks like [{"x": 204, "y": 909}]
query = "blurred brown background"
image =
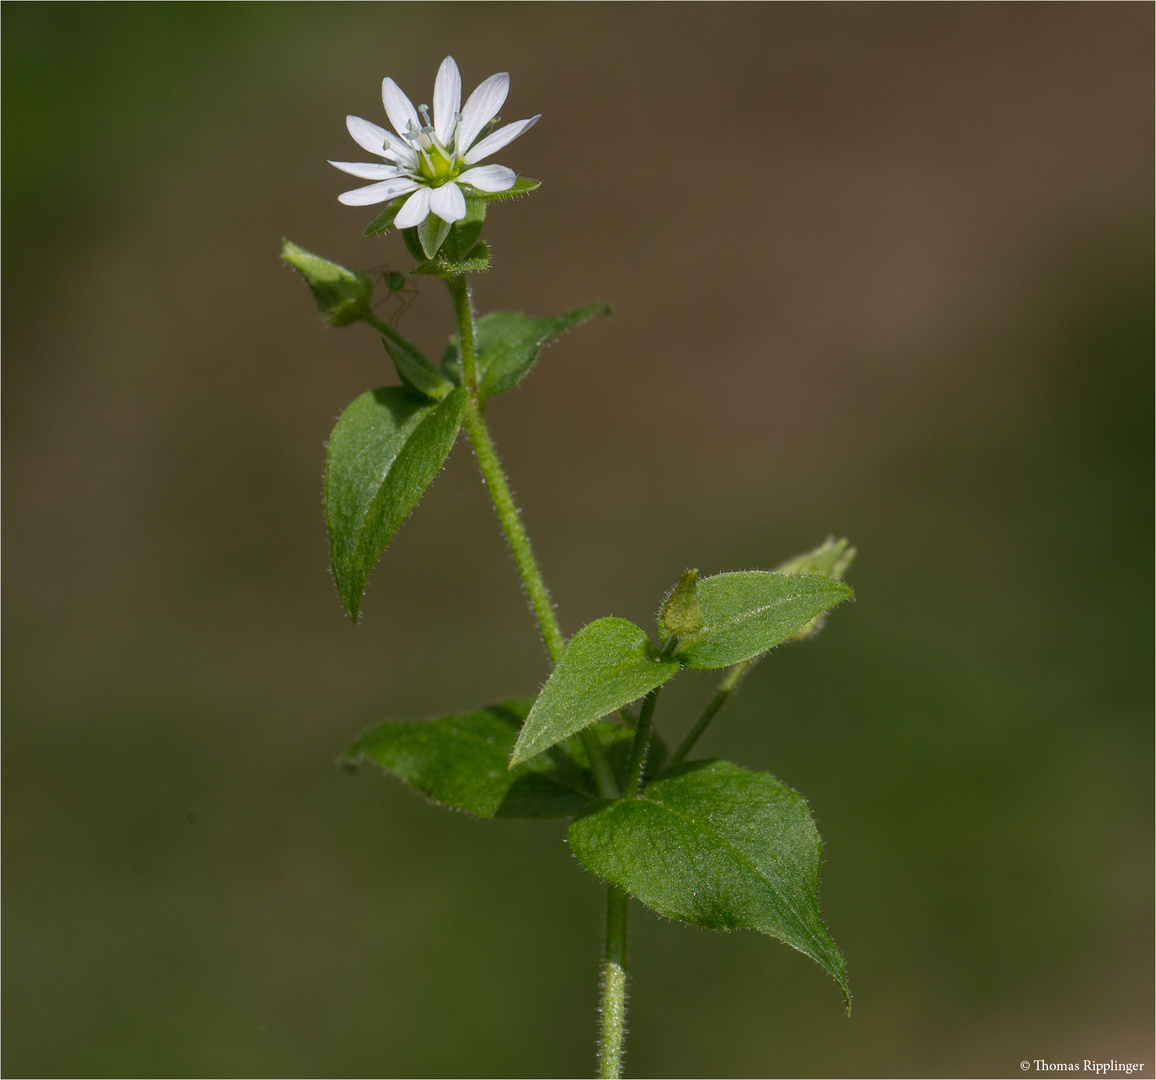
[{"x": 878, "y": 270}]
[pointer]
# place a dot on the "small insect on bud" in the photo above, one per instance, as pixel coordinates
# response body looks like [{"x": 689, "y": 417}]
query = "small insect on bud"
[
  {"x": 681, "y": 616},
  {"x": 342, "y": 295}
]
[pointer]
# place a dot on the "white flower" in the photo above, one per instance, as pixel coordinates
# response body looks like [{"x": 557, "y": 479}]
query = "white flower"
[{"x": 428, "y": 161}]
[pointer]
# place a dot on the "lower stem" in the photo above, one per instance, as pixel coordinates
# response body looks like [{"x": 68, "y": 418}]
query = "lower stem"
[{"x": 613, "y": 1035}]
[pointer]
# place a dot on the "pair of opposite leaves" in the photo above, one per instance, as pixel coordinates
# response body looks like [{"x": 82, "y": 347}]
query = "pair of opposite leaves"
[{"x": 708, "y": 842}]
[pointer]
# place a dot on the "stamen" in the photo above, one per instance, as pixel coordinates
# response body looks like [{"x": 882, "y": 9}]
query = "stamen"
[{"x": 424, "y": 110}]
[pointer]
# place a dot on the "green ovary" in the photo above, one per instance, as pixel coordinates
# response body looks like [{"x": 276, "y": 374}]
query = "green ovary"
[{"x": 435, "y": 166}]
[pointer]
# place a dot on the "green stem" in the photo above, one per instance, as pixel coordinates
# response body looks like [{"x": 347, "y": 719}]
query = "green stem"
[
  {"x": 639, "y": 746},
  {"x": 511, "y": 520},
  {"x": 735, "y": 675},
  {"x": 383, "y": 328},
  {"x": 614, "y": 985},
  {"x": 614, "y": 967},
  {"x": 641, "y": 742},
  {"x": 460, "y": 290}
]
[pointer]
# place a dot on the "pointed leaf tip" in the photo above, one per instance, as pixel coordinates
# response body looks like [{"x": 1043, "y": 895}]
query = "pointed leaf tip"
[
  {"x": 747, "y": 613},
  {"x": 718, "y": 846},
  {"x": 831, "y": 559},
  {"x": 607, "y": 664},
  {"x": 509, "y": 343}
]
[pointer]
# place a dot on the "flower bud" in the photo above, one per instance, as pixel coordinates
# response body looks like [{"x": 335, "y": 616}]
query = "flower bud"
[
  {"x": 681, "y": 615},
  {"x": 342, "y": 295}
]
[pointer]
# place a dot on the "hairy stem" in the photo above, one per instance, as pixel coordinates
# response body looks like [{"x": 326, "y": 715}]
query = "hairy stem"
[
  {"x": 614, "y": 966},
  {"x": 735, "y": 675},
  {"x": 613, "y": 1034},
  {"x": 511, "y": 520},
  {"x": 639, "y": 747},
  {"x": 464, "y": 311}
]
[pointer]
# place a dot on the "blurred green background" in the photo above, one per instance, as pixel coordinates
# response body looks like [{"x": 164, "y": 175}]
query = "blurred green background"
[{"x": 883, "y": 271}]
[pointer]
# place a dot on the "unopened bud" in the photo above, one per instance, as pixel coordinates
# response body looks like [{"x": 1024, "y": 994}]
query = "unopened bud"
[
  {"x": 680, "y": 615},
  {"x": 342, "y": 295}
]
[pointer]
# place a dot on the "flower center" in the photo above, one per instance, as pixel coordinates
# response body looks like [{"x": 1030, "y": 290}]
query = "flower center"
[{"x": 435, "y": 163}]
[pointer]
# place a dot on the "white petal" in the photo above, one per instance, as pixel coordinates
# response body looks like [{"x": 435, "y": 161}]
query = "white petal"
[
  {"x": 481, "y": 108},
  {"x": 448, "y": 202},
  {"x": 489, "y": 178},
  {"x": 368, "y": 136},
  {"x": 415, "y": 211},
  {"x": 398, "y": 107},
  {"x": 377, "y": 193},
  {"x": 494, "y": 142},
  {"x": 447, "y": 99},
  {"x": 368, "y": 170}
]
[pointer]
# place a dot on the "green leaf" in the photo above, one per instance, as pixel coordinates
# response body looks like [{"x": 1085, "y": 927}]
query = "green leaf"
[
  {"x": 461, "y": 761},
  {"x": 607, "y": 664},
  {"x": 415, "y": 370},
  {"x": 509, "y": 343},
  {"x": 832, "y": 558},
  {"x": 342, "y": 294},
  {"x": 522, "y": 186},
  {"x": 749, "y": 612},
  {"x": 384, "y": 221},
  {"x": 681, "y": 615},
  {"x": 717, "y": 846},
  {"x": 386, "y": 449}
]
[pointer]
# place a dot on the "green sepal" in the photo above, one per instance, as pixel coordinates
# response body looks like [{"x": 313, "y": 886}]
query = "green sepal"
[
  {"x": 342, "y": 294},
  {"x": 416, "y": 371},
  {"x": 384, "y": 221},
  {"x": 476, "y": 260},
  {"x": 509, "y": 342},
  {"x": 681, "y": 614},
  {"x": 413, "y": 244},
  {"x": 431, "y": 234},
  {"x": 522, "y": 186},
  {"x": 607, "y": 664},
  {"x": 831, "y": 559},
  {"x": 466, "y": 233},
  {"x": 386, "y": 449},
  {"x": 718, "y": 846},
  {"x": 747, "y": 613}
]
